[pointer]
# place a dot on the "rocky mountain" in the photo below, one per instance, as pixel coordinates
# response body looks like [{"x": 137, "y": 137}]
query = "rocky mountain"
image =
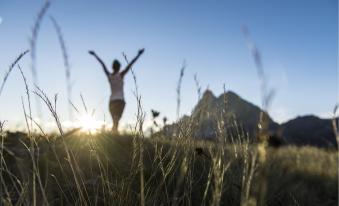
[
  {"x": 229, "y": 109},
  {"x": 233, "y": 117}
]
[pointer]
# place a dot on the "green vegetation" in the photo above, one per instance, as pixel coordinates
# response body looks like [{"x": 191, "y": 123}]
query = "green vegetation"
[{"x": 106, "y": 171}]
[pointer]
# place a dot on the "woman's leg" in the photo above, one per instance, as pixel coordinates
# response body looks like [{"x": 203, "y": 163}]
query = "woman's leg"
[
  {"x": 116, "y": 107},
  {"x": 111, "y": 110},
  {"x": 116, "y": 120}
]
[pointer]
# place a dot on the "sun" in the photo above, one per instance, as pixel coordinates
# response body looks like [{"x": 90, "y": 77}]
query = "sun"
[{"x": 89, "y": 124}]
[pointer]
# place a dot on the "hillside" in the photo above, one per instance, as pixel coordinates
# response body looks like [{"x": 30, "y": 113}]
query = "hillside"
[{"x": 309, "y": 130}]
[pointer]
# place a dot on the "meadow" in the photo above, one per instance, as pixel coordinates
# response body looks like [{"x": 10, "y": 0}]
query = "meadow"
[{"x": 101, "y": 169}]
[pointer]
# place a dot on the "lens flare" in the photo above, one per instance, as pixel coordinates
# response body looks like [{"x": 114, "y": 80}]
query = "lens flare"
[{"x": 89, "y": 124}]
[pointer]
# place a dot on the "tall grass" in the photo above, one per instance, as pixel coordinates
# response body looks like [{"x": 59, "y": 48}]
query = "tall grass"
[{"x": 170, "y": 172}]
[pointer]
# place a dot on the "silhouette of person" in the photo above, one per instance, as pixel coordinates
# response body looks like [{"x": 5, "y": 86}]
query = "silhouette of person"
[{"x": 116, "y": 81}]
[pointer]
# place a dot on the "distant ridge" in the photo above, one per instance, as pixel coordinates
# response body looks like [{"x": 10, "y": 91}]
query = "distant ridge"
[
  {"x": 240, "y": 116},
  {"x": 309, "y": 130}
]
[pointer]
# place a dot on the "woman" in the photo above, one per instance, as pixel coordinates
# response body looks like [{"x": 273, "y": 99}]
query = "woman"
[{"x": 116, "y": 81}]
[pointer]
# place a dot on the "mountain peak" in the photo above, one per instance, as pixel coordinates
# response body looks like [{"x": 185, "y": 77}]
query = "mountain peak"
[
  {"x": 208, "y": 94},
  {"x": 206, "y": 103},
  {"x": 229, "y": 95}
]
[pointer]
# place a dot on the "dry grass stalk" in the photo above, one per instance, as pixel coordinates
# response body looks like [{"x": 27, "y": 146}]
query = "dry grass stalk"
[
  {"x": 29, "y": 127},
  {"x": 65, "y": 56},
  {"x": 198, "y": 86},
  {"x": 182, "y": 71},
  {"x": 10, "y": 70},
  {"x": 267, "y": 95},
  {"x": 139, "y": 135},
  {"x": 33, "y": 43}
]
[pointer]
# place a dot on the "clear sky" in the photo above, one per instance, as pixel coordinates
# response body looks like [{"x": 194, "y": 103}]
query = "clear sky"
[{"x": 298, "y": 40}]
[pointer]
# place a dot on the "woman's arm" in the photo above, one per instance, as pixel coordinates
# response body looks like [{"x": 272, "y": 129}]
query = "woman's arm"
[
  {"x": 91, "y": 52},
  {"x": 129, "y": 66}
]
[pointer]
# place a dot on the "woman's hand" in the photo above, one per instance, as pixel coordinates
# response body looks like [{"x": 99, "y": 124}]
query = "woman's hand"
[
  {"x": 141, "y": 51},
  {"x": 91, "y": 52}
]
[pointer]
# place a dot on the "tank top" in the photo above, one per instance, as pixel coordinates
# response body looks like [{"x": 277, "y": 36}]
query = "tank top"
[{"x": 117, "y": 87}]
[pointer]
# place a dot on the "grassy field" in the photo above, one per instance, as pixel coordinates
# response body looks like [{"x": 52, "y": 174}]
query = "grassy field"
[{"x": 101, "y": 169}]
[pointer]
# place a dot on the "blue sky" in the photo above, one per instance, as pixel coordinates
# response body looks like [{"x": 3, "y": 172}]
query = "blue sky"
[{"x": 298, "y": 40}]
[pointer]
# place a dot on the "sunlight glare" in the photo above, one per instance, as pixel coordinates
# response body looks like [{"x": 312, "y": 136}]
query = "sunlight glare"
[{"x": 89, "y": 124}]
